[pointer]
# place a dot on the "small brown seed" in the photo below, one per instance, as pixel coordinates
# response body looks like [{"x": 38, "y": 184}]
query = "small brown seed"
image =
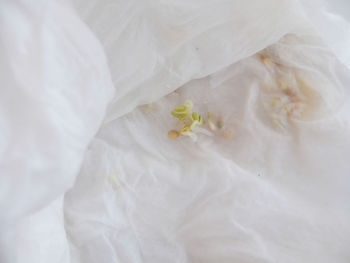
[
  {"x": 219, "y": 124},
  {"x": 173, "y": 134},
  {"x": 289, "y": 92}
]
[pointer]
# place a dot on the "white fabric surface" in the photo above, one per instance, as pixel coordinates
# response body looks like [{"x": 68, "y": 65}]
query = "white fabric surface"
[
  {"x": 261, "y": 196},
  {"x": 155, "y": 47},
  {"x": 55, "y": 86},
  {"x": 264, "y": 195},
  {"x": 334, "y": 29}
]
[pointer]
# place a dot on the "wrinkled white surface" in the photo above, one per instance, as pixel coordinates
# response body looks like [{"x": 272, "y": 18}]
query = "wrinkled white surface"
[
  {"x": 155, "y": 47},
  {"x": 261, "y": 196},
  {"x": 54, "y": 92},
  {"x": 264, "y": 195},
  {"x": 54, "y": 89},
  {"x": 334, "y": 29}
]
